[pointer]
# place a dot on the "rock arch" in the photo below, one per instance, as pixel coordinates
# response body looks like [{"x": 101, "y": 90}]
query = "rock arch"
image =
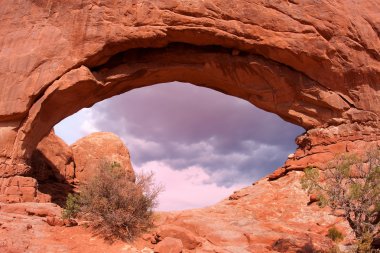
[{"x": 316, "y": 65}]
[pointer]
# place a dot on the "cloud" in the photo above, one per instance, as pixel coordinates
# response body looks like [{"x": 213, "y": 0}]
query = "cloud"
[
  {"x": 185, "y": 126},
  {"x": 88, "y": 125},
  {"x": 189, "y": 188},
  {"x": 77, "y": 125}
]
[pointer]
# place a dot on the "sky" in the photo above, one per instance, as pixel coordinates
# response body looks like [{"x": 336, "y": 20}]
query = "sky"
[{"x": 201, "y": 144}]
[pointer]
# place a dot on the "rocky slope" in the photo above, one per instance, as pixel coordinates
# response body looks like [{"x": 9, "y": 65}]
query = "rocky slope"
[{"x": 269, "y": 216}]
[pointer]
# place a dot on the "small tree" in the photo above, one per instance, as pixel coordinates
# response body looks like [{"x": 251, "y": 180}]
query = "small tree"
[
  {"x": 116, "y": 206},
  {"x": 351, "y": 188},
  {"x": 72, "y": 206}
]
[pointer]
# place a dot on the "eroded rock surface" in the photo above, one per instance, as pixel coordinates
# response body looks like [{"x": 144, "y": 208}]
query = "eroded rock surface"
[
  {"x": 21, "y": 189},
  {"x": 24, "y": 227},
  {"x": 315, "y": 64},
  {"x": 270, "y": 216},
  {"x": 319, "y": 146},
  {"x": 169, "y": 245},
  {"x": 53, "y": 158}
]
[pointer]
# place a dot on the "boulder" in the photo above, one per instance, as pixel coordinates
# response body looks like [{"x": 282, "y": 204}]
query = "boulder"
[
  {"x": 169, "y": 245},
  {"x": 188, "y": 239},
  {"x": 92, "y": 151},
  {"x": 55, "y": 221}
]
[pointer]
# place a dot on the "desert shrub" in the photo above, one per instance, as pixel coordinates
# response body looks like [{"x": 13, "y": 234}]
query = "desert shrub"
[
  {"x": 117, "y": 207},
  {"x": 72, "y": 206},
  {"x": 334, "y": 234},
  {"x": 351, "y": 188}
]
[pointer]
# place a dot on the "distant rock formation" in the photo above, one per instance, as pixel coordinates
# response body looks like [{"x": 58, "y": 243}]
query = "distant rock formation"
[
  {"x": 57, "y": 168},
  {"x": 91, "y": 151}
]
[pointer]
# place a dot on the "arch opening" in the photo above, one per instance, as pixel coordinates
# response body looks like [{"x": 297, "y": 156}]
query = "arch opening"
[
  {"x": 318, "y": 85},
  {"x": 202, "y": 145}
]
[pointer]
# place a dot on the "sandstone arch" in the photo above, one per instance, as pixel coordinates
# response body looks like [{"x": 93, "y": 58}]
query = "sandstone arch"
[{"x": 314, "y": 64}]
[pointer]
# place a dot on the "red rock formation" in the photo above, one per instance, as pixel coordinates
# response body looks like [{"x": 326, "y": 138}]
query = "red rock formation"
[
  {"x": 187, "y": 238},
  {"x": 97, "y": 148},
  {"x": 268, "y": 216},
  {"x": 319, "y": 146},
  {"x": 24, "y": 227},
  {"x": 315, "y": 64},
  {"x": 169, "y": 245},
  {"x": 53, "y": 157},
  {"x": 271, "y": 216},
  {"x": 20, "y": 189},
  {"x": 54, "y": 169}
]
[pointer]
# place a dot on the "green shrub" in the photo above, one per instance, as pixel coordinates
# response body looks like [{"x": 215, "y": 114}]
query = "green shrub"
[
  {"x": 334, "y": 234},
  {"x": 117, "y": 207},
  {"x": 350, "y": 186},
  {"x": 72, "y": 206}
]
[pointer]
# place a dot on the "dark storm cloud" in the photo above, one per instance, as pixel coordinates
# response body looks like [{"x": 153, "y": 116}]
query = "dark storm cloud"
[{"x": 185, "y": 125}]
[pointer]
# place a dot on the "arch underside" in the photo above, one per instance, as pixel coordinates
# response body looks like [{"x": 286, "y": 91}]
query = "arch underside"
[{"x": 267, "y": 84}]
